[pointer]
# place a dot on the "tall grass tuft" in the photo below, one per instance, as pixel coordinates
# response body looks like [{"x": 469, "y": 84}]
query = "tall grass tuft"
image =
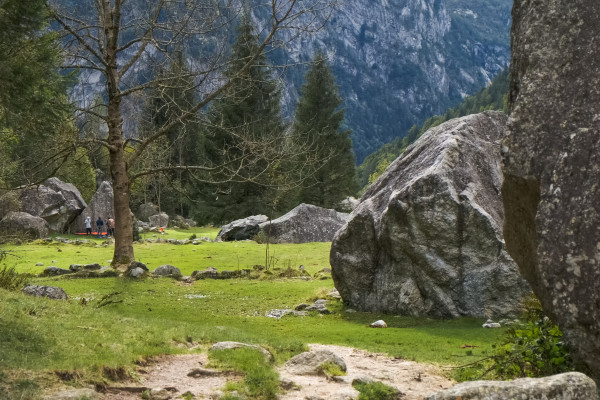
[{"x": 10, "y": 279}]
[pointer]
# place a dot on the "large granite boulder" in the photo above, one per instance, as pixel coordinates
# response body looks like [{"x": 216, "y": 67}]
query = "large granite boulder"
[
  {"x": 426, "y": 238},
  {"x": 242, "y": 229},
  {"x": 55, "y": 201},
  {"x": 159, "y": 220},
  {"x": 23, "y": 224},
  {"x": 304, "y": 224},
  {"x": 145, "y": 211},
  {"x": 569, "y": 386},
  {"x": 552, "y": 165},
  {"x": 101, "y": 205}
]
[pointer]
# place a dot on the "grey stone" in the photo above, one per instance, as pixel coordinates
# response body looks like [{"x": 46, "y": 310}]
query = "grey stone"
[
  {"x": 552, "y": 166},
  {"x": 55, "y": 201},
  {"x": 378, "y": 324},
  {"x": 184, "y": 223},
  {"x": 145, "y": 211},
  {"x": 160, "y": 394},
  {"x": 304, "y": 224},
  {"x": 137, "y": 264},
  {"x": 136, "y": 272},
  {"x": 51, "y": 292},
  {"x": 242, "y": 229},
  {"x": 348, "y": 204},
  {"x": 159, "y": 220},
  {"x": 237, "y": 345},
  {"x": 39, "y": 264},
  {"x": 208, "y": 273},
  {"x": 308, "y": 363},
  {"x": 55, "y": 271},
  {"x": 167, "y": 271},
  {"x": 568, "y": 386},
  {"x": 426, "y": 238},
  {"x": 101, "y": 205},
  {"x": 73, "y": 394},
  {"x": 23, "y": 224}
]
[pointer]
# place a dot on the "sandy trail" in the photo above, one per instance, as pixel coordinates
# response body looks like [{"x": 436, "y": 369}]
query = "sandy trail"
[{"x": 413, "y": 379}]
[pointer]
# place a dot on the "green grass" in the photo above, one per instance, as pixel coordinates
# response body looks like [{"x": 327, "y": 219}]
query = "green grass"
[
  {"x": 376, "y": 391},
  {"x": 161, "y": 316},
  {"x": 261, "y": 381}
]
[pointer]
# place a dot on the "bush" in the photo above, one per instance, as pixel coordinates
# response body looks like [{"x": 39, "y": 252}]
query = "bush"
[
  {"x": 10, "y": 280},
  {"x": 531, "y": 349}
]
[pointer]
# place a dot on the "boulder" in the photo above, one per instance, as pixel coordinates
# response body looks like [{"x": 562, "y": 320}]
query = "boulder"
[
  {"x": 101, "y": 205},
  {"x": 21, "y": 223},
  {"x": 308, "y": 363},
  {"x": 159, "y": 220},
  {"x": 51, "y": 292},
  {"x": 145, "y": 211},
  {"x": 304, "y": 224},
  {"x": 568, "y": 386},
  {"x": 208, "y": 273},
  {"x": 167, "y": 271},
  {"x": 426, "y": 239},
  {"x": 9, "y": 201},
  {"x": 552, "y": 166},
  {"x": 242, "y": 229},
  {"x": 136, "y": 272},
  {"x": 184, "y": 223},
  {"x": 55, "y": 201}
]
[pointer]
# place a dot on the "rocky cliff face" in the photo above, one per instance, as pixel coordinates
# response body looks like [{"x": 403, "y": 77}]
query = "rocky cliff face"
[
  {"x": 399, "y": 62},
  {"x": 426, "y": 238},
  {"x": 552, "y": 165}
]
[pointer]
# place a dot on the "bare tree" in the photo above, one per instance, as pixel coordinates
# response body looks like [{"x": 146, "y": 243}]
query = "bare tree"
[{"x": 120, "y": 44}]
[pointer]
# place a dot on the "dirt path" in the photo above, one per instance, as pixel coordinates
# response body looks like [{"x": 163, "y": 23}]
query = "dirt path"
[{"x": 171, "y": 372}]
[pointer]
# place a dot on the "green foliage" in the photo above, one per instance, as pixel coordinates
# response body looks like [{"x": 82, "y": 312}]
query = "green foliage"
[
  {"x": 261, "y": 381},
  {"x": 534, "y": 348},
  {"x": 330, "y": 369},
  {"x": 33, "y": 102},
  {"x": 318, "y": 124},
  {"x": 9, "y": 278},
  {"x": 78, "y": 171},
  {"x": 245, "y": 129},
  {"x": 376, "y": 391},
  {"x": 491, "y": 98}
]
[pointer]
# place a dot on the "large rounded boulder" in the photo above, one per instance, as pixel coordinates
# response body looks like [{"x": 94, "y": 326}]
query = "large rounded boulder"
[
  {"x": 22, "y": 224},
  {"x": 426, "y": 238}
]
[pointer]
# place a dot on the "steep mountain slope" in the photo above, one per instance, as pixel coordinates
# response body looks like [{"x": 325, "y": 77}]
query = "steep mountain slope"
[{"x": 399, "y": 62}]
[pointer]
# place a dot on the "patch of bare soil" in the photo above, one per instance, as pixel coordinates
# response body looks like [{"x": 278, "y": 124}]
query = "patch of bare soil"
[{"x": 414, "y": 380}]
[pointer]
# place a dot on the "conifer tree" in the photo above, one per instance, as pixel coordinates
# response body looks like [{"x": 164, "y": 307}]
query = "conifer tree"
[
  {"x": 318, "y": 121},
  {"x": 249, "y": 111}
]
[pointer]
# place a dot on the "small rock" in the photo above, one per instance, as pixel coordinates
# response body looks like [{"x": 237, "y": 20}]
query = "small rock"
[
  {"x": 277, "y": 314},
  {"x": 287, "y": 384},
  {"x": 51, "y": 292},
  {"x": 201, "y": 372},
  {"x": 55, "y": 271},
  {"x": 301, "y": 307},
  {"x": 378, "y": 324},
  {"x": 308, "y": 363},
  {"x": 137, "y": 264},
  {"x": 39, "y": 264},
  {"x": 490, "y": 324},
  {"x": 168, "y": 271},
  {"x": 136, "y": 272}
]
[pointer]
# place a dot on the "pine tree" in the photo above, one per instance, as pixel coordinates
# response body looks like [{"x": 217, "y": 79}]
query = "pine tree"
[
  {"x": 318, "y": 121},
  {"x": 248, "y": 112}
]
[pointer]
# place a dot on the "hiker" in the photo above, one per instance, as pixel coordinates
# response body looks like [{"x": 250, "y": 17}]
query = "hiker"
[
  {"x": 100, "y": 226},
  {"x": 88, "y": 225},
  {"x": 111, "y": 226}
]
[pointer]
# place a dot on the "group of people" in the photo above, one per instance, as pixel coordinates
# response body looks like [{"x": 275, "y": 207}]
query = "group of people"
[{"x": 110, "y": 226}]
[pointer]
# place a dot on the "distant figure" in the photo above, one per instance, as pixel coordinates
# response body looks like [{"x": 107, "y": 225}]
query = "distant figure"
[
  {"x": 100, "y": 226},
  {"x": 111, "y": 226},
  {"x": 88, "y": 225}
]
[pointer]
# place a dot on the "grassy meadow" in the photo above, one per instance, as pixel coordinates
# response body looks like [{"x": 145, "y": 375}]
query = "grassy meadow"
[{"x": 109, "y": 324}]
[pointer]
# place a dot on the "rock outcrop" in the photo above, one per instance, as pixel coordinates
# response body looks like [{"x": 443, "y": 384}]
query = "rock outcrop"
[
  {"x": 101, "y": 205},
  {"x": 569, "y": 386},
  {"x": 552, "y": 165},
  {"x": 23, "y": 224},
  {"x": 304, "y": 224},
  {"x": 426, "y": 238},
  {"x": 242, "y": 229},
  {"x": 55, "y": 201}
]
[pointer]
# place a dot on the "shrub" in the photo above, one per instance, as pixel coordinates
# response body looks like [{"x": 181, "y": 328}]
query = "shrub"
[{"x": 10, "y": 280}]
